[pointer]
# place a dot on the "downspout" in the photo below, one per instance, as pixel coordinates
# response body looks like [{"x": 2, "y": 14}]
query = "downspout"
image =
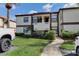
[
  {"x": 58, "y": 23},
  {"x": 62, "y": 21},
  {"x": 50, "y": 21},
  {"x": 31, "y": 24},
  {"x": 8, "y": 18}
]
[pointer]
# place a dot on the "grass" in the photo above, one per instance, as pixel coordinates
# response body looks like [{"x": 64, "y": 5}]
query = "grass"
[
  {"x": 28, "y": 46},
  {"x": 69, "y": 45}
]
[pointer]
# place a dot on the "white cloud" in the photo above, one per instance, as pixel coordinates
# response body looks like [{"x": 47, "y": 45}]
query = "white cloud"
[
  {"x": 32, "y": 11},
  {"x": 13, "y": 6},
  {"x": 48, "y": 7},
  {"x": 67, "y": 5}
]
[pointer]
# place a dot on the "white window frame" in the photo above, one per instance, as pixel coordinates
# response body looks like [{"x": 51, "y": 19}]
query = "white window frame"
[
  {"x": 25, "y": 29},
  {"x": 54, "y": 18},
  {"x": 26, "y": 19},
  {"x": 34, "y": 19}
]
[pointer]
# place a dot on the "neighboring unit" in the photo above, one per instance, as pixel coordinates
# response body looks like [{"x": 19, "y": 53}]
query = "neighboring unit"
[
  {"x": 4, "y": 24},
  {"x": 7, "y": 33},
  {"x": 23, "y": 24},
  {"x": 68, "y": 19}
]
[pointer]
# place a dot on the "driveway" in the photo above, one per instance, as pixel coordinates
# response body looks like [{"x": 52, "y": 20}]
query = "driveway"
[{"x": 53, "y": 48}]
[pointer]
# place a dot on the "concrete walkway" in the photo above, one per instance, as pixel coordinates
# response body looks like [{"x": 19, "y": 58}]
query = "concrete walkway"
[{"x": 53, "y": 48}]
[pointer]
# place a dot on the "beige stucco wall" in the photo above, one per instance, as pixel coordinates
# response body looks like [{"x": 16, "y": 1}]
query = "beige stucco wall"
[
  {"x": 19, "y": 29},
  {"x": 54, "y": 23},
  {"x": 71, "y": 15},
  {"x": 12, "y": 24},
  {"x": 19, "y": 20},
  {"x": 60, "y": 21},
  {"x": 1, "y": 22},
  {"x": 73, "y": 28}
]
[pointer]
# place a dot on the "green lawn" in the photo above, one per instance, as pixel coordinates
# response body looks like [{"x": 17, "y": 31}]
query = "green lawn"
[
  {"x": 28, "y": 46},
  {"x": 69, "y": 45}
]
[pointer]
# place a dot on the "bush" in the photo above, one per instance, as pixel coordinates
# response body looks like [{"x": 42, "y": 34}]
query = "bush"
[
  {"x": 67, "y": 34},
  {"x": 76, "y": 34},
  {"x": 19, "y": 34},
  {"x": 23, "y": 35},
  {"x": 50, "y": 35},
  {"x": 39, "y": 34}
]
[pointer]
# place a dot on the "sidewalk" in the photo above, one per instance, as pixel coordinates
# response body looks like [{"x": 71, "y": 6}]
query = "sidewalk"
[{"x": 53, "y": 48}]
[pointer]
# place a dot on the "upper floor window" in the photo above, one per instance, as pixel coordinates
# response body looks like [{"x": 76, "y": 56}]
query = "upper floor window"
[
  {"x": 54, "y": 18},
  {"x": 39, "y": 19},
  {"x": 46, "y": 19},
  {"x": 26, "y": 19},
  {"x": 34, "y": 19}
]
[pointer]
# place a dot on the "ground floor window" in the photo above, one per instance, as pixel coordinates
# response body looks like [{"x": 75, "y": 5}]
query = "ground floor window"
[{"x": 26, "y": 29}]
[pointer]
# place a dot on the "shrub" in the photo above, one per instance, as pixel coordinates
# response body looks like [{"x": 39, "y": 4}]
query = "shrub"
[
  {"x": 39, "y": 34},
  {"x": 76, "y": 34},
  {"x": 50, "y": 35},
  {"x": 19, "y": 34},
  {"x": 67, "y": 34}
]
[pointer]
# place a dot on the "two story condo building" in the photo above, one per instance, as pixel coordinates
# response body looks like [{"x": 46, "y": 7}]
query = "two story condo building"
[
  {"x": 3, "y": 24},
  {"x": 68, "y": 19},
  {"x": 36, "y": 22},
  {"x": 65, "y": 19}
]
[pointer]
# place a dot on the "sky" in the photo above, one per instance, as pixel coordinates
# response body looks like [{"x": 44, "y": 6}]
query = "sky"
[{"x": 27, "y": 8}]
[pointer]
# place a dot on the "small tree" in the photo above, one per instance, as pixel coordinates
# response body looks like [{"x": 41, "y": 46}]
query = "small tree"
[
  {"x": 50, "y": 35},
  {"x": 8, "y": 7}
]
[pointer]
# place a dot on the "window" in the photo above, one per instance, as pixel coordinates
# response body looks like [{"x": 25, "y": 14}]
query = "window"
[
  {"x": 26, "y": 19},
  {"x": 54, "y": 18},
  {"x": 34, "y": 19},
  {"x": 46, "y": 19},
  {"x": 39, "y": 19},
  {"x": 26, "y": 29}
]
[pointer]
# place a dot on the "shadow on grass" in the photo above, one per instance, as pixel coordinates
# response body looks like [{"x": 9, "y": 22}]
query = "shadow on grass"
[
  {"x": 1, "y": 52},
  {"x": 42, "y": 44},
  {"x": 30, "y": 36}
]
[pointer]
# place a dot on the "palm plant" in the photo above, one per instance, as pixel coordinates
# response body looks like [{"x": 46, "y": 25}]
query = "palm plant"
[{"x": 8, "y": 7}]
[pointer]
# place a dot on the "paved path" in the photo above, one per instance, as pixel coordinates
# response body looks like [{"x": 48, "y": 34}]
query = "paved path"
[{"x": 53, "y": 48}]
